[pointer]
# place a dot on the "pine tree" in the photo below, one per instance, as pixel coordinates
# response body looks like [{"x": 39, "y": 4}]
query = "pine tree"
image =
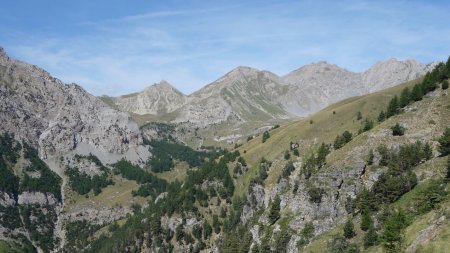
[
  {"x": 370, "y": 157},
  {"x": 338, "y": 142},
  {"x": 349, "y": 229},
  {"x": 282, "y": 238},
  {"x": 381, "y": 116},
  {"x": 287, "y": 155},
  {"x": 447, "y": 67},
  {"x": 429, "y": 81},
  {"x": 366, "y": 220},
  {"x": 405, "y": 97},
  {"x": 347, "y": 136},
  {"x": 448, "y": 169},
  {"x": 321, "y": 154},
  {"x": 265, "y": 245},
  {"x": 417, "y": 93},
  {"x": 371, "y": 238},
  {"x": 444, "y": 143},
  {"x": 393, "y": 107},
  {"x": 274, "y": 212},
  {"x": 392, "y": 231},
  {"x": 368, "y": 124},
  {"x": 444, "y": 85},
  {"x": 265, "y": 136},
  {"x": 427, "y": 151},
  {"x": 359, "y": 116}
]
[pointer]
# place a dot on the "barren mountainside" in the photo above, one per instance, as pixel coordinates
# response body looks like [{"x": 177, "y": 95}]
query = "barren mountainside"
[
  {"x": 159, "y": 98},
  {"x": 244, "y": 90},
  {"x": 57, "y": 118}
]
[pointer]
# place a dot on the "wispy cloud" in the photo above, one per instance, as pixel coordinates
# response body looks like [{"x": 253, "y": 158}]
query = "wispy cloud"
[{"x": 193, "y": 44}]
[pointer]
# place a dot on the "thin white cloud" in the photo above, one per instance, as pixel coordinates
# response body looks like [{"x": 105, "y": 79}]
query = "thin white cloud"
[{"x": 192, "y": 47}]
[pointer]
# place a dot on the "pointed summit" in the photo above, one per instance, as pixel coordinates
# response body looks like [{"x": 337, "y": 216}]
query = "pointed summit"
[
  {"x": 239, "y": 72},
  {"x": 313, "y": 71},
  {"x": 162, "y": 86},
  {"x": 163, "y": 83},
  {"x": 156, "y": 99}
]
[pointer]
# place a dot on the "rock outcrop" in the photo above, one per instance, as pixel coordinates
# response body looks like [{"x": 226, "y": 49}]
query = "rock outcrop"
[{"x": 58, "y": 118}]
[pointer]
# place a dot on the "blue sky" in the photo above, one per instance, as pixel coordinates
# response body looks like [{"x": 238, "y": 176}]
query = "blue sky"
[{"x": 118, "y": 47}]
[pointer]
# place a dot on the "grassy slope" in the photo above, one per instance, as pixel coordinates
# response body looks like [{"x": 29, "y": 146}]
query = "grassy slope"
[
  {"x": 5, "y": 247},
  {"x": 426, "y": 118},
  {"x": 113, "y": 195},
  {"x": 325, "y": 127},
  {"x": 179, "y": 172}
]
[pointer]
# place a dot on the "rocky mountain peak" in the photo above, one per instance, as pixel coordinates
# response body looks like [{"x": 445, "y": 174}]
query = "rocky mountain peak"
[
  {"x": 58, "y": 118},
  {"x": 319, "y": 70},
  {"x": 158, "y": 98},
  {"x": 393, "y": 71},
  {"x": 240, "y": 71},
  {"x": 164, "y": 87},
  {"x": 245, "y": 92},
  {"x": 244, "y": 69},
  {"x": 164, "y": 84}
]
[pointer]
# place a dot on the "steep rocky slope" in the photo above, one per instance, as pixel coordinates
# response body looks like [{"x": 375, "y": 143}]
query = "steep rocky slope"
[
  {"x": 49, "y": 129},
  {"x": 326, "y": 197},
  {"x": 244, "y": 94},
  {"x": 58, "y": 118},
  {"x": 318, "y": 85}
]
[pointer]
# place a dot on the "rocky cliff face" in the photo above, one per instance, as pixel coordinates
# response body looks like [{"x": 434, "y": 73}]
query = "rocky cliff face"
[
  {"x": 315, "y": 86},
  {"x": 55, "y": 122},
  {"x": 59, "y": 118}
]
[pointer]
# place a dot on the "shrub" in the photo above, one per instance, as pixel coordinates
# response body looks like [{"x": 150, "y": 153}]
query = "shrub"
[
  {"x": 368, "y": 124},
  {"x": 381, "y": 116},
  {"x": 447, "y": 176},
  {"x": 366, "y": 220},
  {"x": 444, "y": 143},
  {"x": 444, "y": 85},
  {"x": 393, "y": 226},
  {"x": 315, "y": 194},
  {"x": 358, "y": 116},
  {"x": 371, "y": 238},
  {"x": 370, "y": 157},
  {"x": 398, "y": 130},
  {"x": 306, "y": 234},
  {"x": 274, "y": 212},
  {"x": 265, "y": 136},
  {"x": 349, "y": 229},
  {"x": 287, "y": 155}
]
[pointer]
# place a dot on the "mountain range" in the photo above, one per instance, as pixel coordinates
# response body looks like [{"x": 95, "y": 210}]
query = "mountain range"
[
  {"x": 247, "y": 94},
  {"x": 368, "y": 173}
]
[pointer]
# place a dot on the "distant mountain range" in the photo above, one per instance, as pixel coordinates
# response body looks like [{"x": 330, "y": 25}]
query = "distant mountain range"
[{"x": 246, "y": 94}]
